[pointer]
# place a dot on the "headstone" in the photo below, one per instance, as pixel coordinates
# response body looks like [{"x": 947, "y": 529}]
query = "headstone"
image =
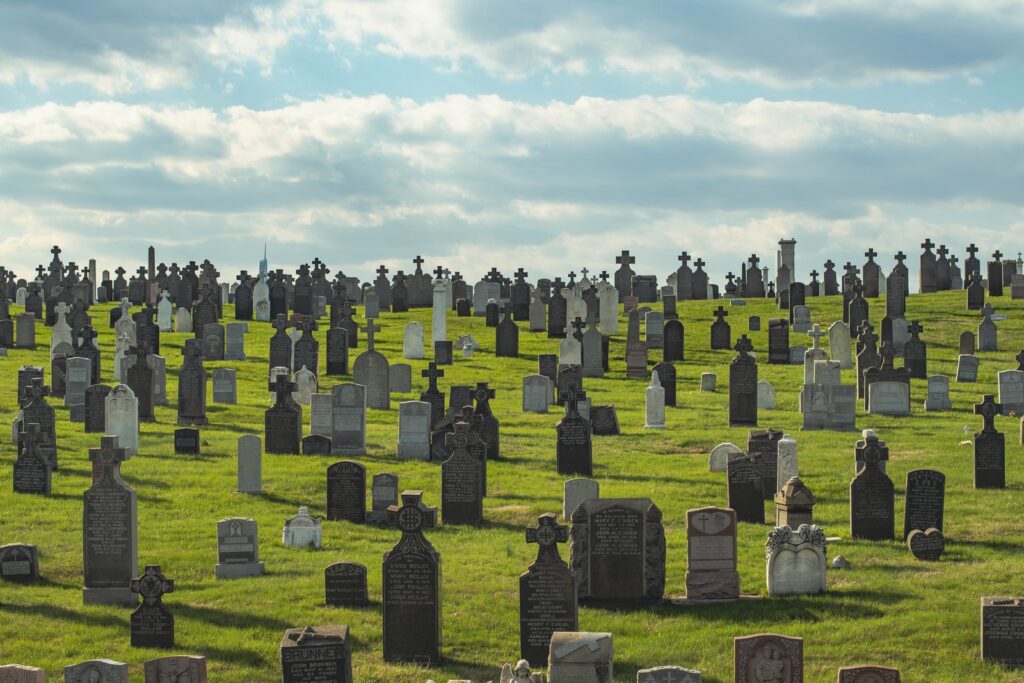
[
  {"x": 1011, "y": 388},
  {"x": 604, "y": 421},
  {"x": 96, "y": 671},
  {"x": 186, "y": 441},
  {"x": 411, "y": 586},
  {"x": 743, "y": 386},
  {"x": 213, "y": 341},
  {"x": 345, "y": 585},
  {"x": 967, "y": 345},
  {"x": 414, "y": 425},
  {"x": 967, "y": 368},
  {"x": 668, "y": 674},
  {"x": 235, "y": 343},
  {"x": 17, "y": 673},
  {"x": 711, "y": 554},
  {"x": 32, "y": 468},
  {"x": 412, "y": 340},
  {"x": 839, "y": 344},
  {"x": 1002, "y": 631},
  {"x": 385, "y": 494},
  {"x": 348, "y": 410},
  {"x": 176, "y": 668},
  {"x": 796, "y": 560},
  {"x": 121, "y": 413},
  {"x": 337, "y": 351},
  {"x": 765, "y": 395},
  {"x": 938, "y": 394},
  {"x": 250, "y": 465},
  {"x": 225, "y": 386},
  {"x": 872, "y": 514},
  {"x": 192, "y": 386},
  {"x": 778, "y": 341},
  {"x": 989, "y": 447},
  {"x": 617, "y": 550},
  {"x": 302, "y": 530},
  {"x": 110, "y": 530},
  {"x": 573, "y": 446},
  {"x": 987, "y": 331},
  {"x": 547, "y": 593},
  {"x": 655, "y": 403},
  {"x": 346, "y": 491},
  {"x": 316, "y": 655},
  {"x": 766, "y": 657},
  {"x": 580, "y": 657},
  {"x": 238, "y": 549},
  {"x": 537, "y": 393},
  {"x": 282, "y": 422}
]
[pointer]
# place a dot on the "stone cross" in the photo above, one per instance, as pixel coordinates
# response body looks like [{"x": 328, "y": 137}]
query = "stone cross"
[
  {"x": 915, "y": 329},
  {"x": 625, "y": 259},
  {"x": 816, "y": 334},
  {"x": 419, "y": 262},
  {"x": 280, "y": 323},
  {"x": 30, "y": 438},
  {"x": 370, "y": 329},
  {"x": 484, "y": 394},
  {"x": 988, "y": 409},
  {"x": 997, "y": 254},
  {"x": 721, "y": 314},
  {"x": 871, "y": 254},
  {"x": 109, "y": 456},
  {"x": 942, "y": 251},
  {"x": 972, "y": 249},
  {"x": 141, "y": 272},
  {"x": 754, "y": 260},
  {"x": 412, "y": 516},
  {"x": 39, "y": 271},
  {"x": 743, "y": 346},
  {"x": 873, "y": 452},
  {"x": 987, "y": 311},
  {"x": 191, "y": 350},
  {"x": 521, "y": 275},
  {"x": 829, "y": 265},
  {"x": 699, "y": 263},
  {"x": 900, "y": 257},
  {"x": 494, "y": 275},
  {"x": 684, "y": 258},
  {"x": 317, "y": 263},
  {"x": 572, "y": 277},
  {"x": 283, "y": 387},
  {"x": 578, "y": 325},
  {"x": 439, "y": 273},
  {"x": 382, "y": 271},
  {"x": 927, "y": 244},
  {"x": 814, "y": 275},
  {"x": 459, "y": 439},
  {"x": 730, "y": 277},
  {"x": 547, "y": 535},
  {"x": 604, "y": 276},
  {"x": 152, "y": 585},
  {"x": 432, "y": 373},
  {"x": 585, "y": 272}
]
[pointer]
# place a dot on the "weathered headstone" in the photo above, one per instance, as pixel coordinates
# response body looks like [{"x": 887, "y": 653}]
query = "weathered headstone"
[
  {"x": 989, "y": 447},
  {"x": 796, "y": 560},
  {"x": 346, "y": 491},
  {"x": 316, "y": 655},
  {"x": 110, "y": 530},
  {"x": 872, "y": 495},
  {"x": 547, "y": 592},
  {"x": 711, "y": 554},
  {"x": 348, "y": 411},
  {"x": 766, "y": 656}
]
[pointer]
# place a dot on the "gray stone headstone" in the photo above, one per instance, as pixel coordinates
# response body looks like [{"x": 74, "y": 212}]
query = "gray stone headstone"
[
  {"x": 235, "y": 345},
  {"x": 348, "y": 410},
  {"x": 668, "y": 674},
  {"x": 538, "y": 391},
  {"x": 225, "y": 386},
  {"x": 413, "y": 430},
  {"x": 321, "y": 419},
  {"x": 575, "y": 491},
  {"x": 250, "y": 464},
  {"x": 400, "y": 378}
]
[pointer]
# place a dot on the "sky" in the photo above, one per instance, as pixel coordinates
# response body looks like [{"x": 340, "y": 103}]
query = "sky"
[{"x": 477, "y": 133}]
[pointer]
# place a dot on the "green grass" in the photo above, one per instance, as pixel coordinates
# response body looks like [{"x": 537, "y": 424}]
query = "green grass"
[{"x": 889, "y": 609}]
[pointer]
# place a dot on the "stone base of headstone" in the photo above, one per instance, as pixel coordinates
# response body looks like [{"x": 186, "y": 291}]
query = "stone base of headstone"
[
  {"x": 238, "y": 570},
  {"x": 683, "y": 601},
  {"x": 110, "y": 596}
]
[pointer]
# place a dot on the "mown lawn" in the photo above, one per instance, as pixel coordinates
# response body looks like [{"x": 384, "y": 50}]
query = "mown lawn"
[{"x": 888, "y": 609}]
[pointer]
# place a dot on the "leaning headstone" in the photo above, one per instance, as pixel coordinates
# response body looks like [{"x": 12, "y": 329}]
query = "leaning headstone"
[
  {"x": 315, "y": 655},
  {"x": 238, "y": 549},
  {"x": 411, "y": 586},
  {"x": 967, "y": 368},
  {"x": 618, "y": 550},
  {"x": 796, "y": 562}
]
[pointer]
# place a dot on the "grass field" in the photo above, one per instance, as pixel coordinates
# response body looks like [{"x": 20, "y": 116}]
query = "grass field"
[{"x": 889, "y": 609}]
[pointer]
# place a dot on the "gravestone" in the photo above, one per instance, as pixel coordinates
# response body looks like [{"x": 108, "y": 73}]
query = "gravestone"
[
  {"x": 121, "y": 418},
  {"x": 872, "y": 514},
  {"x": 32, "y": 468},
  {"x": 668, "y": 674},
  {"x": 1011, "y": 388},
  {"x": 989, "y": 447},
  {"x": 868, "y": 674},
  {"x": 235, "y": 341},
  {"x": 96, "y": 671},
  {"x": 721, "y": 332},
  {"x": 411, "y": 586},
  {"x": 573, "y": 447},
  {"x": 796, "y": 560},
  {"x": 547, "y": 592},
  {"x": 414, "y": 425},
  {"x": 110, "y": 530},
  {"x": 192, "y": 386},
  {"x": 655, "y": 403},
  {"x": 225, "y": 386},
  {"x": 213, "y": 341},
  {"x": 938, "y": 394},
  {"x": 337, "y": 351},
  {"x": 348, "y": 410},
  {"x": 1002, "y": 631},
  {"x": 967, "y": 368},
  {"x": 667, "y": 378},
  {"x": 321, "y": 419},
  {"x": 655, "y": 330},
  {"x": 604, "y": 421},
  {"x": 19, "y": 562},
  {"x": 176, "y": 668},
  {"x": 385, "y": 494},
  {"x": 778, "y": 341},
  {"x": 282, "y": 422},
  {"x": 412, "y": 341},
  {"x": 462, "y": 479},
  {"x": 764, "y": 443},
  {"x": 766, "y": 656},
  {"x": 617, "y": 550},
  {"x": 794, "y": 504},
  {"x": 250, "y": 464},
  {"x": 743, "y": 386},
  {"x": 987, "y": 330},
  {"x": 238, "y": 550},
  {"x": 316, "y": 444},
  {"x": 537, "y": 393},
  {"x": 839, "y": 344},
  {"x": 711, "y": 554},
  {"x": 302, "y": 530},
  {"x": 580, "y": 657},
  {"x": 186, "y": 441},
  {"x": 345, "y": 585},
  {"x": 490, "y": 433},
  {"x": 925, "y": 501},
  {"x": 346, "y": 492},
  {"x": 79, "y": 377},
  {"x": 316, "y": 655},
  {"x": 744, "y": 475},
  {"x": 400, "y": 378}
]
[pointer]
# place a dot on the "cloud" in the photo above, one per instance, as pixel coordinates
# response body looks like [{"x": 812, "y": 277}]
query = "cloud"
[
  {"x": 114, "y": 47},
  {"x": 486, "y": 181}
]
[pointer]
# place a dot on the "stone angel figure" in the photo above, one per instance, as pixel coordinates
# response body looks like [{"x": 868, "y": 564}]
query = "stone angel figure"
[{"x": 519, "y": 674}]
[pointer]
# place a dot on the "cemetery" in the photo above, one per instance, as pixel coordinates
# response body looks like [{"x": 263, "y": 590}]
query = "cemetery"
[{"x": 605, "y": 475}]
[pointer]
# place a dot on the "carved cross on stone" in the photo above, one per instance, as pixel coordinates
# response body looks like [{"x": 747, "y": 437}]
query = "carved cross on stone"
[
  {"x": 625, "y": 259},
  {"x": 432, "y": 373},
  {"x": 816, "y": 334},
  {"x": 988, "y": 409},
  {"x": 283, "y": 387},
  {"x": 927, "y": 244},
  {"x": 743, "y": 346},
  {"x": 419, "y": 262},
  {"x": 699, "y": 263},
  {"x": 30, "y": 438},
  {"x": 412, "y": 516},
  {"x": 721, "y": 314},
  {"x": 873, "y": 453},
  {"x": 547, "y": 535},
  {"x": 684, "y": 258},
  {"x": 483, "y": 395},
  {"x": 915, "y": 329},
  {"x": 997, "y": 254},
  {"x": 152, "y": 585},
  {"x": 871, "y": 254},
  {"x": 382, "y": 272}
]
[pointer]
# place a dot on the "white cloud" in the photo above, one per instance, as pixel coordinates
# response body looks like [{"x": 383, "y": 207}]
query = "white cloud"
[{"x": 487, "y": 181}]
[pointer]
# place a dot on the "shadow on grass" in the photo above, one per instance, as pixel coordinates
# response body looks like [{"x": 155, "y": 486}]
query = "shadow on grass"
[
  {"x": 65, "y": 614},
  {"x": 225, "y": 619}
]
